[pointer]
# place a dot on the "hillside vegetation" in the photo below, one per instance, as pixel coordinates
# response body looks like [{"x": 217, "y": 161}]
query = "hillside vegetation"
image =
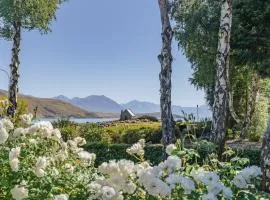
[{"x": 55, "y": 108}]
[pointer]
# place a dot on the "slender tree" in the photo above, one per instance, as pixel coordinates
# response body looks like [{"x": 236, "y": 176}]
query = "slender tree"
[
  {"x": 17, "y": 15},
  {"x": 266, "y": 159},
  {"x": 197, "y": 25},
  {"x": 220, "y": 106},
  {"x": 165, "y": 59}
]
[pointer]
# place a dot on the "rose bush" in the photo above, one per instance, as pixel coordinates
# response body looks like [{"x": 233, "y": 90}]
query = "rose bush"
[{"x": 36, "y": 163}]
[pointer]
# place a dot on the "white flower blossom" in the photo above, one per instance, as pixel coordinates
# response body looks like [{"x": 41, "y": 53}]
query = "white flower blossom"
[
  {"x": 173, "y": 163},
  {"x": 19, "y": 192},
  {"x": 86, "y": 156},
  {"x": 137, "y": 149},
  {"x": 170, "y": 148},
  {"x": 209, "y": 178},
  {"x": 69, "y": 168},
  {"x": 240, "y": 181},
  {"x": 7, "y": 124},
  {"x": 243, "y": 178},
  {"x": 14, "y": 153},
  {"x": 61, "y": 197},
  {"x": 209, "y": 196},
  {"x": 20, "y": 132},
  {"x": 14, "y": 164},
  {"x": 26, "y": 118},
  {"x": 3, "y": 135},
  {"x": 79, "y": 141},
  {"x": 108, "y": 193},
  {"x": 227, "y": 193},
  {"x": 41, "y": 164}
]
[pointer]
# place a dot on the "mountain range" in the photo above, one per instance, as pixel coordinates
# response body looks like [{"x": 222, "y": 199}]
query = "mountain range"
[
  {"x": 98, "y": 106},
  {"x": 50, "y": 107},
  {"x": 95, "y": 103}
]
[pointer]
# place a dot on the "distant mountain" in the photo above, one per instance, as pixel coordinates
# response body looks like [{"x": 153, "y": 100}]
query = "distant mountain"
[
  {"x": 148, "y": 107},
  {"x": 104, "y": 104},
  {"x": 54, "y": 108},
  {"x": 94, "y": 103},
  {"x": 142, "y": 106}
]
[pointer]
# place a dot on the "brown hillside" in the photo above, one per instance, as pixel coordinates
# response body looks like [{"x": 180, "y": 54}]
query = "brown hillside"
[{"x": 53, "y": 108}]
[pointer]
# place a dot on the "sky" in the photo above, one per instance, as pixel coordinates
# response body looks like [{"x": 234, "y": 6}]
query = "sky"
[{"x": 100, "y": 48}]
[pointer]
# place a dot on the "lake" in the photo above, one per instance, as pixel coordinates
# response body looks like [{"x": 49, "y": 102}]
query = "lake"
[{"x": 80, "y": 120}]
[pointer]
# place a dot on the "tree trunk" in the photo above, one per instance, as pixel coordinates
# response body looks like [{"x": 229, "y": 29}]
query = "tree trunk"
[
  {"x": 165, "y": 59},
  {"x": 251, "y": 105},
  {"x": 14, "y": 70},
  {"x": 266, "y": 159},
  {"x": 222, "y": 77}
]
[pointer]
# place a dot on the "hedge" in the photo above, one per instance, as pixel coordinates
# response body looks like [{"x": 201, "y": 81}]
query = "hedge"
[
  {"x": 254, "y": 155},
  {"x": 154, "y": 153},
  {"x": 106, "y": 152}
]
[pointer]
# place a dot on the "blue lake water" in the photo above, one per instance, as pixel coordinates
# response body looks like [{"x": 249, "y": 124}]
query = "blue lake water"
[{"x": 80, "y": 120}]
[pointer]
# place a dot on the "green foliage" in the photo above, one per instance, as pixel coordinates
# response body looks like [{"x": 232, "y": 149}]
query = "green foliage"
[
  {"x": 254, "y": 155},
  {"x": 197, "y": 25},
  {"x": 196, "y": 30},
  {"x": 21, "y": 109},
  {"x": 32, "y": 14},
  {"x": 57, "y": 178},
  {"x": 131, "y": 132},
  {"x": 204, "y": 148},
  {"x": 106, "y": 152},
  {"x": 67, "y": 128},
  {"x": 154, "y": 153},
  {"x": 94, "y": 133},
  {"x": 259, "y": 121},
  {"x": 149, "y": 118}
]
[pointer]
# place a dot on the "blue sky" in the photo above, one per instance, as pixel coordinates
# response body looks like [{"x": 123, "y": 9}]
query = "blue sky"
[{"x": 100, "y": 47}]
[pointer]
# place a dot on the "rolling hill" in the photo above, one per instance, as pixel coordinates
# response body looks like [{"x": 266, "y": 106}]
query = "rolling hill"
[{"x": 55, "y": 108}]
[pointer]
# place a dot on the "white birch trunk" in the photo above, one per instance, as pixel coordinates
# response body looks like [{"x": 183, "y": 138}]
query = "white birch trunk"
[
  {"x": 222, "y": 76},
  {"x": 14, "y": 70},
  {"x": 165, "y": 59}
]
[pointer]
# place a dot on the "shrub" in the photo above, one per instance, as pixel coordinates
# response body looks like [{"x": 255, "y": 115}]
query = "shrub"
[
  {"x": 148, "y": 117},
  {"x": 94, "y": 133},
  {"x": 37, "y": 164},
  {"x": 204, "y": 149},
  {"x": 254, "y": 155},
  {"x": 69, "y": 129},
  {"x": 259, "y": 120},
  {"x": 106, "y": 152},
  {"x": 131, "y": 132},
  {"x": 21, "y": 109},
  {"x": 154, "y": 153}
]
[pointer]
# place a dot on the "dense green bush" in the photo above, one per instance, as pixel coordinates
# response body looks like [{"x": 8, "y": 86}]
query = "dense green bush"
[
  {"x": 94, "y": 133},
  {"x": 148, "y": 117},
  {"x": 69, "y": 129},
  {"x": 106, "y": 152},
  {"x": 254, "y": 155},
  {"x": 154, "y": 153},
  {"x": 152, "y": 135},
  {"x": 259, "y": 120},
  {"x": 204, "y": 148}
]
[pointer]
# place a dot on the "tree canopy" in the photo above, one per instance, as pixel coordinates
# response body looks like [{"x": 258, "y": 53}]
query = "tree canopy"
[{"x": 32, "y": 14}]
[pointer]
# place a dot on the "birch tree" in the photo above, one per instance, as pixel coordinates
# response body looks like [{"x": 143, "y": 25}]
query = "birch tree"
[
  {"x": 17, "y": 15},
  {"x": 165, "y": 59},
  {"x": 197, "y": 25},
  {"x": 220, "y": 107}
]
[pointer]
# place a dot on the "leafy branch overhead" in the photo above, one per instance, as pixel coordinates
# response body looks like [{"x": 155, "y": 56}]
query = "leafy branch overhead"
[{"x": 32, "y": 14}]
